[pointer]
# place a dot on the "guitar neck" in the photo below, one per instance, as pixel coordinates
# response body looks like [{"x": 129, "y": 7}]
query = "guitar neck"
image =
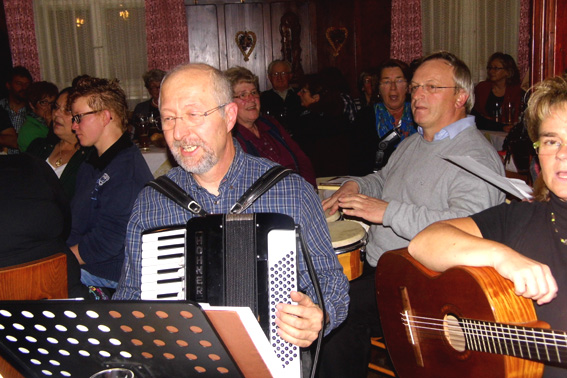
[{"x": 536, "y": 344}]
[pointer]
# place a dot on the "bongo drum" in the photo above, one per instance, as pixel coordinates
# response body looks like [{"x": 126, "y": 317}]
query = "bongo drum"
[
  {"x": 332, "y": 218},
  {"x": 349, "y": 241}
]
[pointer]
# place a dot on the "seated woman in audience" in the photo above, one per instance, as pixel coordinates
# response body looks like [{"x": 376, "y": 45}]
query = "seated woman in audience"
[
  {"x": 323, "y": 127},
  {"x": 36, "y": 217},
  {"x": 367, "y": 97},
  {"x": 262, "y": 135},
  {"x": 373, "y": 123},
  {"x": 148, "y": 111},
  {"x": 60, "y": 148},
  {"x": 526, "y": 242},
  {"x": 499, "y": 99},
  {"x": 41, "y": 97}
]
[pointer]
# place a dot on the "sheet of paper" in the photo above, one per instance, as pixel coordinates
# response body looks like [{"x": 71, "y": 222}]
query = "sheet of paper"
[
  {"x": 256, "y": 334},
  {"x": 517, "y": 188}
]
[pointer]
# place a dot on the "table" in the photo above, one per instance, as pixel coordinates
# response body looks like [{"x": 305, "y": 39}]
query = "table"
[
  {"x": 159, "y": 160},
  {"x": 496, "y": 138}
]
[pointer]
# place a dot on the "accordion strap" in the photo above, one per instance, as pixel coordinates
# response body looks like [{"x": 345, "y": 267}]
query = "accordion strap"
[
  {"x": 167, "y": 187},
  {"x": 261, "y": 186}
]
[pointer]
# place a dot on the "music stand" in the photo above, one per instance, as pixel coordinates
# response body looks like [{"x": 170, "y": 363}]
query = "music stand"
[{"x": 66, "y": 338}]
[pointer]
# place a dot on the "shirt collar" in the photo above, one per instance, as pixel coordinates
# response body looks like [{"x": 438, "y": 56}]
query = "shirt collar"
[
  {"x": 452, "y": 130},
  {"x": 100, "y": 162},
  {"x": 283, "y": 94}
]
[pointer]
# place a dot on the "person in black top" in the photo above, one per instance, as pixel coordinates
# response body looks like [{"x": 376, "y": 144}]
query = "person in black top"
[
  {"x": 36, "y": 217},
  {"x": 526, "y": 242}
]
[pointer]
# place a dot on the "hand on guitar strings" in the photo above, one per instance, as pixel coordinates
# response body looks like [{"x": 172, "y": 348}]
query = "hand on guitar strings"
[{"x": 299, "y": 323}]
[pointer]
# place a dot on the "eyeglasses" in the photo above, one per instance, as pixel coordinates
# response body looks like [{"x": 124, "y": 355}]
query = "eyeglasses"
[
  {"x": 244, "y": 95},
  {"x": 55, "y": 107},
  {"x": 488, "y": 68},
  {"x": 428, "y": 88},
  {"x": 397, "y": 83},
  {"x": 548, "y": 146},
  {"x": 77, "y": 118},
  {"x": 45, "y": 102},
  {"x": 193, "y": 118},
  {"x": 279, "y": 74}
]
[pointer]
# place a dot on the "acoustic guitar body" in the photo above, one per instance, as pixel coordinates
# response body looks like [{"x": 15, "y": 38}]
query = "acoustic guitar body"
[{"x": 405, "y": 286}]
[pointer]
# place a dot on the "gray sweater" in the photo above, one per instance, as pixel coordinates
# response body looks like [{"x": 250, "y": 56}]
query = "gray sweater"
[{"x": 422, "y": 188}]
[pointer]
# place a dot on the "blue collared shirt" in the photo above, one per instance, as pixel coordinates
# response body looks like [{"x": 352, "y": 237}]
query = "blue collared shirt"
[
  {"x": 292, "y": 196},
  {"x": 453, "y": 129}
]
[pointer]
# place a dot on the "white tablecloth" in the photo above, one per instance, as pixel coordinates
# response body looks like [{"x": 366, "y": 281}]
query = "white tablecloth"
[{"x": 158, "y": 160}]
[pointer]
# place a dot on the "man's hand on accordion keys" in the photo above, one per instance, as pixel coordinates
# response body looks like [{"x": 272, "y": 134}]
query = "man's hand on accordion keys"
[{"x": 299, "y": 323}]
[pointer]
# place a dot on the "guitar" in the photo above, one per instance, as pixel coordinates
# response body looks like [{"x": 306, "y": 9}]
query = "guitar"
[{"x": 465, "y": 322}]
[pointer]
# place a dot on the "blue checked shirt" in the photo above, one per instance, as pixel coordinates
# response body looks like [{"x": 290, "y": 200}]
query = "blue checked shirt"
[{"x": 292, "y": 196}]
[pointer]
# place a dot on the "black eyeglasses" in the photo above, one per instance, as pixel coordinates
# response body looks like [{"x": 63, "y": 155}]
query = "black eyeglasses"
[{"x": 78, "y": 117}]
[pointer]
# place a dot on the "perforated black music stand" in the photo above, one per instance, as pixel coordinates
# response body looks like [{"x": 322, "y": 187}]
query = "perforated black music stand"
[{"x": 65, "y": 338}]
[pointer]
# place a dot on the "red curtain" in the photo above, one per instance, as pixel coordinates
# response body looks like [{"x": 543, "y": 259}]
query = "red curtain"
[
  {"x": 405, "y": 43},
  {"x": 166, "y": 34},
  {"x": 21, "y": 34},
  {"x": 524, "y": 37}
]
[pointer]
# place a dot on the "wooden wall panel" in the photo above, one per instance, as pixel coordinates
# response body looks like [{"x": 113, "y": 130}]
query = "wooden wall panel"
[
  {"x": 549, "y": 39},
  {"x": 368, "y": 41},
  {"x": 204, "y": 36}
]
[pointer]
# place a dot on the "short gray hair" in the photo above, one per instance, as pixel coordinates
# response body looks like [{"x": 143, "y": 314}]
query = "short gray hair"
[
  {"x": 220, "y": 86},
  {"x": 461, "y": 74},
  {"x": 278, "y": 61}
]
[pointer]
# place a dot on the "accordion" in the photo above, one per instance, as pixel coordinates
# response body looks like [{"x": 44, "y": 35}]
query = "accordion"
[{"x": 226, "y": 260}]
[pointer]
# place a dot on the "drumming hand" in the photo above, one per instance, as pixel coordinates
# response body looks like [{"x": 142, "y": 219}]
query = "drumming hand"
[
  {"x": 349, "y": 187},
  {"x": 299, "y": 324},
  {"x": 358, "y": 205}
]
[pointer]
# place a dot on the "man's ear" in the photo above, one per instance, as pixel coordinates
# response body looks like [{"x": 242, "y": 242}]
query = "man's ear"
[
  {"x": 462, "y": 98},
  {"x": 316, "y": 97},
  {"x": 230, "y": 113}
]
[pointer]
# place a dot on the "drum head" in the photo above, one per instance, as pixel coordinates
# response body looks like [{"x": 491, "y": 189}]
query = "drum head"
[
  {"x": 345, "y": 233},
  {"x": 332, "y": 218}
]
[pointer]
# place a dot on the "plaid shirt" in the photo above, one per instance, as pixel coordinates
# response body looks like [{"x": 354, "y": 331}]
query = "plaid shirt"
[{"x": 292, "y": 196}]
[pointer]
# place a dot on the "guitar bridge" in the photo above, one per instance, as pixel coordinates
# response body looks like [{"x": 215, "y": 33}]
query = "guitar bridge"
[{"x": 411, "y": 329}]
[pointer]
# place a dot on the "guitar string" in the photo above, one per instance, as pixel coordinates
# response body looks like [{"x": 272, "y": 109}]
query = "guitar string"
[{"x": 504, "y": 332}]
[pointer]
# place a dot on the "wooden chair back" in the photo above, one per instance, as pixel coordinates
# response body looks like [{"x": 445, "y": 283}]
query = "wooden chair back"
[{"x": 40, "y": 279}]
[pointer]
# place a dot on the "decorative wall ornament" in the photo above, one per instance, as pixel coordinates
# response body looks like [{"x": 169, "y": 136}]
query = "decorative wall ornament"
[
  {"x": 290, "y": 31},
  {"x": 337, "y": 37},
  {"x": 246, "y": 41}
]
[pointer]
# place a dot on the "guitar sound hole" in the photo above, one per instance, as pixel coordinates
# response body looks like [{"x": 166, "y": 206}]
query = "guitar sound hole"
[{"x": 454, "y": 333}]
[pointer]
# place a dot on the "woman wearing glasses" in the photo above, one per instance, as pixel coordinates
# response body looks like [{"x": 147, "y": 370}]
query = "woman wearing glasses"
[
  {"x": 373, "y": 123},
  {"x": 526, "y": 242},
  {"x": 499, "y": 99},
  {"x": 41, "y": 97},
  {"x": 60, "y": 148},
  {"x": 263, "y": 136}
]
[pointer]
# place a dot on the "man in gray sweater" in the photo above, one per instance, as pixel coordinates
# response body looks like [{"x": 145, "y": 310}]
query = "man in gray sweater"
[{"x": 416, "y": 188}]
